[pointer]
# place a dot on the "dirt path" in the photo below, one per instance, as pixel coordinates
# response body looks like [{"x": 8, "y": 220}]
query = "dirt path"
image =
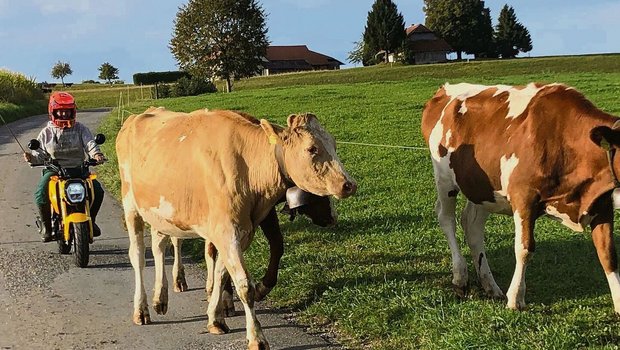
[{"x": 48, "y": 303}]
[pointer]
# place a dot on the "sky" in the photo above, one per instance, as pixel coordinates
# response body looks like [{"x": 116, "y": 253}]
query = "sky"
[{"x": 133, "y": 35}]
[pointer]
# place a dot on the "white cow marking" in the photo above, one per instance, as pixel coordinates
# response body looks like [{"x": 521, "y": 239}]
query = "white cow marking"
[
  {"x": 463, "y": 91},
  {"x": 182, "y": 138},
  {"x": 518, "y": 100},
  {"x": 165, "y": 209},
  {"x": 563, "y": 218},
  {"x": 614, "y": 285},
  {"x": 507, "y": 166},
  {"x": 463, "y": 108},
  {"x": 616, "y": 198}
]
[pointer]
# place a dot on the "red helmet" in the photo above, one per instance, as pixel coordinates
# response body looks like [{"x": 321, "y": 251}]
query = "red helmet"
[{"x": 62, "y": 109}]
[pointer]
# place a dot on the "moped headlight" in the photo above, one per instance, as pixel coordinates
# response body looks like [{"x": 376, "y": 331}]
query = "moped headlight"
[{"x": 75, "y": 192}]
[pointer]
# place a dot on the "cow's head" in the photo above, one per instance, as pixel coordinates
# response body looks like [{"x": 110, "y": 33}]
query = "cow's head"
[
  {"x": 609, "y": 140},
  {"x": 309, "y": 156},
  {"x": 319, "y": 209}
]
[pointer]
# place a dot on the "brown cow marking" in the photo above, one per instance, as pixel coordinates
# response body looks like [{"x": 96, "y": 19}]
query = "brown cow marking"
[
  {"x": 442, "y": 150},
  {"x": 472, "y": 179}
]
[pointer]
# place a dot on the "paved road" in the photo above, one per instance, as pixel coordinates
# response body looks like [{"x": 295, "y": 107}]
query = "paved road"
[{"x": 48, "y": 303}]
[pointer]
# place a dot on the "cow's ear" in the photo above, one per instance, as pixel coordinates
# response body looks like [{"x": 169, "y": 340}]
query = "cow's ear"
[
  {"x": 605, "y": 137},
  {"x": 295, "y": 120},
  {"x": 271, "y": 134}
]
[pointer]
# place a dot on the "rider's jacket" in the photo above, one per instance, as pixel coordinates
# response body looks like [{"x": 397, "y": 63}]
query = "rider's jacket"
[{"x": 69, "y": 146}]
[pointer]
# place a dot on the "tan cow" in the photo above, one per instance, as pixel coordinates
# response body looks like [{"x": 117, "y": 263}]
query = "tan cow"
[
  {"x": 217, "y": 174},
  {"x": 524, "y": 151}
]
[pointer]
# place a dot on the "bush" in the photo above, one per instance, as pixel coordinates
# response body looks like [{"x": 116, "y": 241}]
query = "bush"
[
  {"x": 192, "y": 87},
  {"x": 161, "y": 91},
  {"x": 16, "y": 88},
  {"x": 158, "y": 77}
]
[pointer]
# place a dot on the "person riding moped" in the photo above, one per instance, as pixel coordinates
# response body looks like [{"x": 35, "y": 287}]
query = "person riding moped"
[{"x": 69, "y": 143}]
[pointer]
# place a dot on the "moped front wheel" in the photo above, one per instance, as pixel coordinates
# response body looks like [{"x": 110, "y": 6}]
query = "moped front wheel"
[
  {"x": 64, "y": 247},
  {"x": 81, "y": 239}
]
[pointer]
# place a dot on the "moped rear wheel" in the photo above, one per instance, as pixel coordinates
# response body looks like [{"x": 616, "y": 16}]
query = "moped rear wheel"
[{"x": 81, "y": 239}]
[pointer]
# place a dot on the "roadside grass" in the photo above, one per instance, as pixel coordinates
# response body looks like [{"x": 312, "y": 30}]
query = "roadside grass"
[
  {"x": 19, "y": 96},
  {"x": 382, "y": 278},
  {"x": 99, "y": 95}
]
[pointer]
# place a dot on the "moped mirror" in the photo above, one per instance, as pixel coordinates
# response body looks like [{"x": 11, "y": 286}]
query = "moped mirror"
[
  {"x": 34, "y": 144},
  {"x": 99, "y": 139}
]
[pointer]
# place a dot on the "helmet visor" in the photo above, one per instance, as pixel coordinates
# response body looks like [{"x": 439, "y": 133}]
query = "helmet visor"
[{"x": 64, "y": 114}]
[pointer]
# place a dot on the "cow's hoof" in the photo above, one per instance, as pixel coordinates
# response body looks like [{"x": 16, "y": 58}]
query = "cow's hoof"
[
  {"x": 461, "y": 291},
  {"x": 160, "y": 308},
  {"x": 496, "y": 295},
  {"x": 218, "y": 328},
  {"x": 260, "y": 345},
  {"x": 180, "y": 286},
  {"x": 261, "y": 291},
  {"x": 141, "y": 318},
  {"x": 517, "y": 306}
]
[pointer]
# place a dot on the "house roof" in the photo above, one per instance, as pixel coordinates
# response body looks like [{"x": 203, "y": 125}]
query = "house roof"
[
  {"x": 426, "y": 45},
  {"x": 417, "y": 28},
  {"x": 299, "y": 53}
]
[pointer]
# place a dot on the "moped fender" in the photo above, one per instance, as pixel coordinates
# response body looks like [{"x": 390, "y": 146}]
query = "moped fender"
[{"x": 76, "y": 218}]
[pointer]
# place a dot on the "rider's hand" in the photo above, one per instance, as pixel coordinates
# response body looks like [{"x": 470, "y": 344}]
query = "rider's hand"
[
  {"x": 100, "y": 158},
  {"x": 28, "y": 157}
]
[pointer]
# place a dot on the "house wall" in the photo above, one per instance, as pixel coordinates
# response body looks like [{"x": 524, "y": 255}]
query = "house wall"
[{"x": 430, "y": 57}]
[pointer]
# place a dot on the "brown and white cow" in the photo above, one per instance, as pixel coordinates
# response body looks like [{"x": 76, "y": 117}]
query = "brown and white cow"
[
  {"x": 320, "y": 210},
  {"x": 217, "y": 174},
  {"x": 524, "y": 151}
]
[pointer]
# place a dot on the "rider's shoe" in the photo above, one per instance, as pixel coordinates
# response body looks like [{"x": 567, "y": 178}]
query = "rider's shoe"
[
  {"x": 96, "y": 230},
  {"x": 45, "y": 215}
]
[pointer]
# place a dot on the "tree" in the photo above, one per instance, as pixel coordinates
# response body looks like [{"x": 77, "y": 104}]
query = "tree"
[
  {"x": 385, "y": 30},
  {"x": 60, "y": 70},
  {"x": 510, "y": 35},
  {"x": 220, "y": 38},
  {"x": 464, "y": 24},
  {"x": 356, "y": 55},
  {"x": 485, "y": 46},
  {"x": 108, "y": 72}
]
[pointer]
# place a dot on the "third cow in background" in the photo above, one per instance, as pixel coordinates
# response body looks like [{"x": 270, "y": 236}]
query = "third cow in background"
[{"x": 522, "y": 151}]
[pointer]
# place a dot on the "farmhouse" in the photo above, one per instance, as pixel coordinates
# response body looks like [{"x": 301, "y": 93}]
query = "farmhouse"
[
  {"x": 426, "y": 46},
  {"x": 296, "y": 58}
]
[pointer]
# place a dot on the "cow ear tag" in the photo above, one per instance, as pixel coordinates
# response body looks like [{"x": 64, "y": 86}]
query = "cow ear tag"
[{"x": 273, "y": 139}]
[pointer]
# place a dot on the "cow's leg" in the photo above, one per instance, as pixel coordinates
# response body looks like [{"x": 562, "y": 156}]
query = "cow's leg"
[
  {"x": 602, "y": 235},
  {"x": 227, "y": 295},
  {"x": 472, "y": 221},
  {"x": 271, "y": 229},
  {"x": 135, "y": 228},
  {"x": 210, "y": 258},
  {"x": 217, "y": 324},
  {"x": 524, "y": 248},
  {"x": 159, "y": 242},
  {"x": 235, "y": 265},
  {"x": 178, "y": 270},
  {"x": 445, "y": 207}
]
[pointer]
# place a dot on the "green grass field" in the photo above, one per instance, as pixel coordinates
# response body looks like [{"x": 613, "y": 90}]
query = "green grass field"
[{"x": 382, "y": 278}]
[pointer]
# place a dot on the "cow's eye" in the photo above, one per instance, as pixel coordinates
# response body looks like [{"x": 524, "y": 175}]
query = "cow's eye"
[{"x": 313, "y": 150}]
